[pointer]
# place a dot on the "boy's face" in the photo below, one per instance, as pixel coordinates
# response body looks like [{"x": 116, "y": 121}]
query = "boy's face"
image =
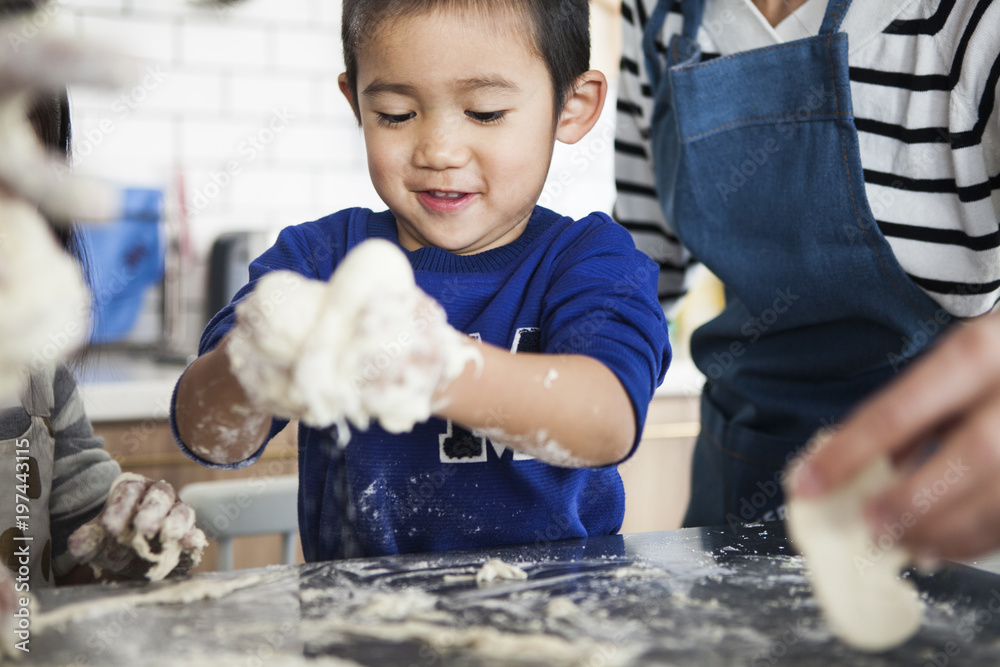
[{"x": 457, "y": 117}]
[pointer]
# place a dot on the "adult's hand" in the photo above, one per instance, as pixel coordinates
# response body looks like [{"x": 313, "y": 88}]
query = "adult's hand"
[
  {"x": 144, "y": 529},
  {"x": 946, "y": 500}
]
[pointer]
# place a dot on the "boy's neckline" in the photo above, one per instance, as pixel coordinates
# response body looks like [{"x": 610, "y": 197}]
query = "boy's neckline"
[{"x": 382, "y": 225}]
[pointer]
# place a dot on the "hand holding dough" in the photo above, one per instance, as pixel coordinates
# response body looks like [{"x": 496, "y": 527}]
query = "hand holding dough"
[
  {"x": 855, "y": 578},
  {"x": 369, "y": 344},
  {"x": 143, "y": 529}
]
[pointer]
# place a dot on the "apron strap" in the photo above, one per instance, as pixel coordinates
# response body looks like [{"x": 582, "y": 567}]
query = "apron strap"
[
  {"x": 693, "y": 11},
  {"x": 38, "y": 395},
  {"x": 835, "y": 12}
]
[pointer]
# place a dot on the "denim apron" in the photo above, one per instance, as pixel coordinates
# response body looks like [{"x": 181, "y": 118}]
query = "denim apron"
[{"x": 758, "y": 169}]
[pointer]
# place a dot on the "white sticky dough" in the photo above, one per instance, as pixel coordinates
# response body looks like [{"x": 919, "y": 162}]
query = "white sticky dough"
[
  {"x": 46, "y": 305},
  {"x": 497, "y": 570},
  {"x": 367, "y": 345},
  {"x": 856, "y": 580}
]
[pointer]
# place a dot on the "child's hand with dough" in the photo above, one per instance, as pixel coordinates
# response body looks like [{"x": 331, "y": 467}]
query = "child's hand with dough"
[
  {"x": 368, "y": 344},
  {"x": 144, "y": 529}
]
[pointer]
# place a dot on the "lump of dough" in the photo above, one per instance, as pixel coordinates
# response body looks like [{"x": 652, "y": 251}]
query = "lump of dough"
[
  {"x": 46, "y": 304},
  {"x": 497, "y": 570},
  {"x": 856, "y": 580},
  {"x": 367, "y": 345}
]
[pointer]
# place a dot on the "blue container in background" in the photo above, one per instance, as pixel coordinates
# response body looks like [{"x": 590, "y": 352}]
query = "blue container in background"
[{"x": 125, "y": 258}]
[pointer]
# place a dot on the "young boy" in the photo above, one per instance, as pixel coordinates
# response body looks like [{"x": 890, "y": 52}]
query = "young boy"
[{"x": 460, "y": 103}]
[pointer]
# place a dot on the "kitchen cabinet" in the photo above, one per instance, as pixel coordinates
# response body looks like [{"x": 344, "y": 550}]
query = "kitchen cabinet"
[{"x": 657, "y": 477}]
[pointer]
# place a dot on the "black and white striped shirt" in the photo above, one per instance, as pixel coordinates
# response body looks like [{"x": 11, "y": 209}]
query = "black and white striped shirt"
[{"x": 924, "y": 81}]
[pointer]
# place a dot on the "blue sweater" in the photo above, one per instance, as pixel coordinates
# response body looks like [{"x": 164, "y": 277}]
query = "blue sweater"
[{"x": 564, "y": 287}]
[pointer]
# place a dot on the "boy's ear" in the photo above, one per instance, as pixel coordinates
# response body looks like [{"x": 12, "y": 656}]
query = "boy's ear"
[
  {"x": 345, "y": 88},
  {"x": 583, "y": 107}
]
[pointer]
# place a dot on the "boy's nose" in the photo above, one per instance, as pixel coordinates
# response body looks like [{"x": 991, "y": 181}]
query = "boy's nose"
[{"x": 441, "y": 147}]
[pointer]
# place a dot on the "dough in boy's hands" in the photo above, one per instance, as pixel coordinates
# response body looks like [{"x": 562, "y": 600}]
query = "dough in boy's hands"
[{"x": 369, "y": 344}]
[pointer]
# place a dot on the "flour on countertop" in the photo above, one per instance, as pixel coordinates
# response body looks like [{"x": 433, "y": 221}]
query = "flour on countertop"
[
  {"x": 178, "y": 593},
  {"x": 399, "y": 605},
  {"x": 487, "y": 641}
]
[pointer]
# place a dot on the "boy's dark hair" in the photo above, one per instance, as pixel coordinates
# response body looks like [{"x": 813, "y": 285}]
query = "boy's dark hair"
[{"x": 560, "y": 32}]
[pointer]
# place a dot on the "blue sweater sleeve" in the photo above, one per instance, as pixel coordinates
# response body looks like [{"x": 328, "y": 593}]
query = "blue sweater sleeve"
[{"x": 603, "y": 304}]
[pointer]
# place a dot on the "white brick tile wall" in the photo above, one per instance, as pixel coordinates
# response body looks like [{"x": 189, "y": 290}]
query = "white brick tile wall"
[
  {"x": 184, "y": 90},
  {"x": 109, "y": 147},
  {"x": 214, "y": 141},
  {"x": 204, "y": 43},
  {"x": 316, "y": 144},
  {"x": 143, "y": 38},
  {"x": 286, "y": 11},
  {"x": 312, "y": 50},
  {"x": 260, "y": 93}
]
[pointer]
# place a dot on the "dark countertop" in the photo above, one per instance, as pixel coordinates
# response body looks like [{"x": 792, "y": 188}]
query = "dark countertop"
[{"x": 687, "y": 597}]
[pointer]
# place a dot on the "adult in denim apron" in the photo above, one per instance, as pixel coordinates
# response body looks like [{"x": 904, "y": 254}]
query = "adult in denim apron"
[{"x": 759, "y": 171}]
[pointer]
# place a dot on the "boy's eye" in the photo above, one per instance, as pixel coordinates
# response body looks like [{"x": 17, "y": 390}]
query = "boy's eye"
[
  {"x": 390, "y": 120},
  {"x": 486, "y": 116}
]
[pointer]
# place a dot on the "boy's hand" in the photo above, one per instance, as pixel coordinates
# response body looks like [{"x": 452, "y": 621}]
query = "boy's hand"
[
  {"x": 948, "y": 505},
  {"x": 144, "y": 529},
  {"x": 368, "y": 344}
]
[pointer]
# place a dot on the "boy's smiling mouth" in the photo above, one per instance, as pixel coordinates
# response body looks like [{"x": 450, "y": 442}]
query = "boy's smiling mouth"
[{"x": 444, "y": 201}]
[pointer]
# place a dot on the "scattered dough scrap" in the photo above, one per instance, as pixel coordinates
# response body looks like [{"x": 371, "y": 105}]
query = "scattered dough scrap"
[
  {"x": 496, "y": 570},
  {"x": 856, "y": 580},
  {"x": 561, "y": 607}
]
